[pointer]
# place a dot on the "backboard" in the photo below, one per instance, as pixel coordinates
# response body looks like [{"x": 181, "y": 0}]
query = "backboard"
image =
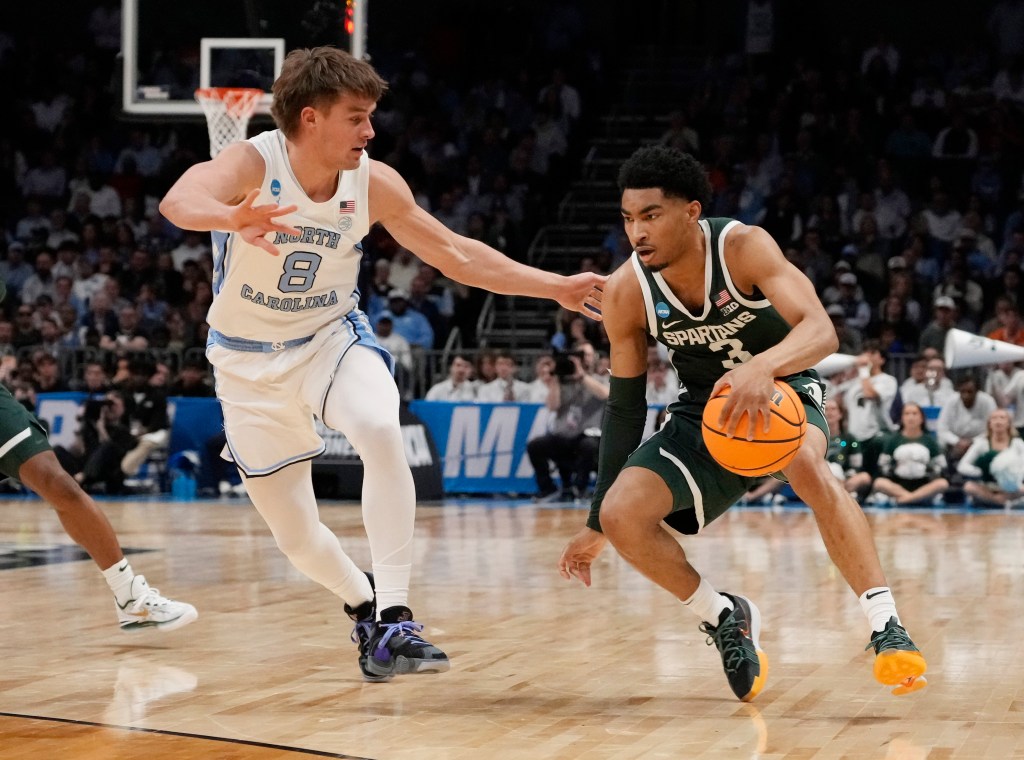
[{"x": 171, "y": 48}]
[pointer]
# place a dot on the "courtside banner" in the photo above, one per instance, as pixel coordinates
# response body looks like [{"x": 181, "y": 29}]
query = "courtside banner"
[
  {"x": 483, "y": 445},
  {"x": 61, "y": 412},
  {"x": 338, "y": 472},
  {"x": 193, "y": 420}
]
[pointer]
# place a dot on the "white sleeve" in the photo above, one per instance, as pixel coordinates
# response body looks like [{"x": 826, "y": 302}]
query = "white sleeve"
[{"x": 979, "y": 446}]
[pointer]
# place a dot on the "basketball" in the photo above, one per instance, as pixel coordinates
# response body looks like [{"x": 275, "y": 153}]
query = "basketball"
[{"x": 769, "y": 451}]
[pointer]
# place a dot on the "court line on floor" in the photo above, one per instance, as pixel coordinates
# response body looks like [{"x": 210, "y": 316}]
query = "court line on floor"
[{"x": 186, "y": 735}]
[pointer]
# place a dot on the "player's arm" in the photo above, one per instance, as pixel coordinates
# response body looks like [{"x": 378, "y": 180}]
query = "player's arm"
[
  {"x": 625, "y": 412},
  {"x": 624, "y": 415},
  {"x": 470, "y": 261},
  {"x": 756, "y": 262},
  {"x": 219, "y": 195}
]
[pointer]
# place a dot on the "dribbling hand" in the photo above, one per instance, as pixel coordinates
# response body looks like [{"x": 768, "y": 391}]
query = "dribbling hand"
[
  {"x": 579, "y": 554},
  {"x": 750, "y": 393},
  {"x": 253, "y": 223}
]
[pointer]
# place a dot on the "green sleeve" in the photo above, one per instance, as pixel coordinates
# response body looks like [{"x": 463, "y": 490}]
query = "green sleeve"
[{"x": 622, "y": 430}]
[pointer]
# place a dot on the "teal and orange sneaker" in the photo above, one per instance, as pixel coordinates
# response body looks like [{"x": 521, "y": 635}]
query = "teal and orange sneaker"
[
  {"x": 736, "y": 636},
  {"x": 897, "y": 661}
]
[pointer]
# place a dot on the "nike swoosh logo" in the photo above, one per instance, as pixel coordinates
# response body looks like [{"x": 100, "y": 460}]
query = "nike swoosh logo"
[
  {"x": 666, "y": 325},
  {"x": 143, "y": 614},
  {"x": 872, "y": 596}
]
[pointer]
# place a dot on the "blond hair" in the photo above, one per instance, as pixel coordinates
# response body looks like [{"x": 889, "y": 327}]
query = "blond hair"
[
  {"x": 316, "y": 77},
  {"x": 1012, "y": 432}
]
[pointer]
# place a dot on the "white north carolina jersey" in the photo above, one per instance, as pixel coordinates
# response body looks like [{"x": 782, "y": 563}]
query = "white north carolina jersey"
[{"x": 313, "y": 281}]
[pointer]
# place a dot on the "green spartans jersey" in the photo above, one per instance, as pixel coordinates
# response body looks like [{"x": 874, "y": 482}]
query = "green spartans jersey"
[{"x": 729, "y": 330}]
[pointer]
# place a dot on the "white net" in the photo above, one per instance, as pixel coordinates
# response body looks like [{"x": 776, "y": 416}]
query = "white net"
[{"x": 228, "y": 110}]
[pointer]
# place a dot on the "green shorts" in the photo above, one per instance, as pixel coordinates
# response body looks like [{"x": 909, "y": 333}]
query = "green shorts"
[
  {"x": 22, "y": 436},
  {"x": 702, "y": 489}
]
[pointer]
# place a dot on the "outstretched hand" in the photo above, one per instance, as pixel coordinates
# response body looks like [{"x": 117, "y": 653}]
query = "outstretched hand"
[
  {"x": 583, "y": 293},
  {"x": 253, "y": 223},
  {"x": 580, "y": 553}
]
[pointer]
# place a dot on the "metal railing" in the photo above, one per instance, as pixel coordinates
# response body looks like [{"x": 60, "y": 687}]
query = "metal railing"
[{"x": 73, "y": 360}]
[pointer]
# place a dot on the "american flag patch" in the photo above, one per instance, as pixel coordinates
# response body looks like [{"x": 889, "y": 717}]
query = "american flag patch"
[
  {"x": 722, "y": 298},
  {"x": 347, "y": 207}
]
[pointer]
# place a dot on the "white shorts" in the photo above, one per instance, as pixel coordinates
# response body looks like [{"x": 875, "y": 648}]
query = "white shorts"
[{"x": 270, "y": 399}]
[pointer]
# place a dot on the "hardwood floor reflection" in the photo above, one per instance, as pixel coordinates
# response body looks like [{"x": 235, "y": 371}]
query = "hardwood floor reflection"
[{"x": 541, "y": 668}]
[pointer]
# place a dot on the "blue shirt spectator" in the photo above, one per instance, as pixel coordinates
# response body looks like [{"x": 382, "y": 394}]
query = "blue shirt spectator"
[{"x": 408, "y": 322}]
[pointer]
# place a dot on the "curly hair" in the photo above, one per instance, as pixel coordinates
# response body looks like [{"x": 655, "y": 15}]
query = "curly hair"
[{"x": 676, "y": 174}]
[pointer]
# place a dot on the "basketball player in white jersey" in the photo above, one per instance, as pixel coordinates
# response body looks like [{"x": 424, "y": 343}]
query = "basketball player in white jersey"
[{"x": 288, "y": 209}]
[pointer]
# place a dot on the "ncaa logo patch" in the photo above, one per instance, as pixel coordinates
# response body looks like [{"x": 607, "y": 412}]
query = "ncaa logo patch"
[
  {"x": 275, "y": 187},
  {"x": 662, "y": 310}
]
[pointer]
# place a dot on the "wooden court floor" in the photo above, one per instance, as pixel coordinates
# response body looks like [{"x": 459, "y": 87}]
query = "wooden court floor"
[{"x": 541, "y": 668}]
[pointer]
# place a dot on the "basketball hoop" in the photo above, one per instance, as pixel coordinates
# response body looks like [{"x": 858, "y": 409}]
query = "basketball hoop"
[{"x": 228, "y": 110}]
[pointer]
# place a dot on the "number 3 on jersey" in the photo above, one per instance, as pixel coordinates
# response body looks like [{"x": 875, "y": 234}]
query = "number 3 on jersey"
[
  {"x": 299, "y": 272},
  {"x": 737, "y": 355}
]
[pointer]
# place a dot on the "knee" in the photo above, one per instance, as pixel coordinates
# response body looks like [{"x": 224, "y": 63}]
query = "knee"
[
  {"x": 622, "y": 520},
  {"x": 614, "y": 521},
  {"x": 374, "y": 435},
  {"x": 812, "y": 469},
  {"x": 60, "y": 490},
  {"x": 296, "y": 539}
]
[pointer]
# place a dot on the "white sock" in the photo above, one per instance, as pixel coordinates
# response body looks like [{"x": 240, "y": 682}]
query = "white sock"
[
  {"x": 353, "y": 589},
  {"x": 392, "y": 582},
  {"x": 706, "y": 603},
  {"x": 119, "y": 578},
  {"x": 878, "y": 606}
]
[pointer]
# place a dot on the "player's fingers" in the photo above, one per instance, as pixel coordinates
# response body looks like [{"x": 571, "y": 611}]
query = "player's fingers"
[
  {"x": 584, "y": 574},
  {"x": 766, "y": 416},
  {"x": 580, "y": 570},
  {"x": 250, "y": 197},
  {"x": 266, "y": 245},
  {"x": 752, "y": 416},
  {"x": 282, "y": 210},
  {"x": 285, "y": 228},
  {"x": 272, "y": 209},
  {"x": 726, "y": 422},
  {"x": 563, "y": 564}
]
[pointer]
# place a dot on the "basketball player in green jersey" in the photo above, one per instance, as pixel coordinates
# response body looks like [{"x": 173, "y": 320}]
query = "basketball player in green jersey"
[
  {"x": 732, "y": 312},
  {"x": 25, "y": 455}
]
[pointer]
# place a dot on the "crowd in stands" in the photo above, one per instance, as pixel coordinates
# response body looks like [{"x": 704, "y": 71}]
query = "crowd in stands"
[
  {"x": 924, "y": 441},
  {"x": 93, "y": 271},
  {"x": 889, "y": 172}
]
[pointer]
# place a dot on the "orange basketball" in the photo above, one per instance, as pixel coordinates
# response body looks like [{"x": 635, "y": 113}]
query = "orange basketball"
[{"x": 769, "y": 451}]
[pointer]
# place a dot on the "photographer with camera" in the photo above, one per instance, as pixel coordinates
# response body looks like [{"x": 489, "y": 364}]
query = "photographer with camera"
[
  {"x": 102, "y": 439},
  {"x": 145, "y": 394},
  {"x": 576, "y": 395}
]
